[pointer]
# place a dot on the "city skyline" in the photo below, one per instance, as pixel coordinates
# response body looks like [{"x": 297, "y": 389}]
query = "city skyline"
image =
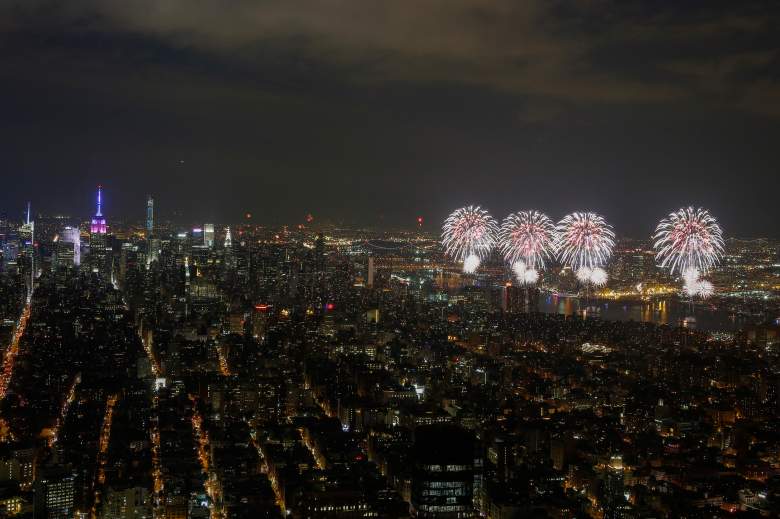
[
  {"x": 438, "y": 259},
  {"x": 176, "y": 218}
]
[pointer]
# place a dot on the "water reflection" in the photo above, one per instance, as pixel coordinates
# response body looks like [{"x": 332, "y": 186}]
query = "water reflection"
[{"x": 661, "y": 311}]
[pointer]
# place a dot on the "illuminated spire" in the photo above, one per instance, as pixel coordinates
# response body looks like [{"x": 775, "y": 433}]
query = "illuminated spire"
[
  {"x": 28, "y": 213},
  {"x": 98, "y": 225},
  {"x": 99, "y": 201},
  {"x": 228, "y": 238}
]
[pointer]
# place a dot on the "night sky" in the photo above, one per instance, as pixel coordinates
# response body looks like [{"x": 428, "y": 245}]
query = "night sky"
[{"x": 360, "y": 111}]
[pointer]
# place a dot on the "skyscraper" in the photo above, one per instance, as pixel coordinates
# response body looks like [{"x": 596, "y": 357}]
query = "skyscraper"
[
  {"x": 72, "y": 235},
  {"x": 27, "y": 238},
  {"x": 208, "y": 234},
  {"x": 371, "y": 272},
  {"x": 443, "y": 473},
  {"x": 228, "y": 238},
  {"x": 149, "y": 216},
  {"x": 98, "y": 240},
  {"x": 65, "y": 257}
]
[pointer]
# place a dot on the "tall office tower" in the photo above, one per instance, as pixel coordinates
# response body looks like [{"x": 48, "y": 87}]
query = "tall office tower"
[
  {"x": 27, "y": 238},
  {"x": 98, "y": 240},
  {"x": 198, "y": 237},
  {"x": 614, "y": 505},
  {"x": 230, "y": 262},
  {"x": 208, "y": 234},
  {"x": 72, "y": 235},
  {"x": 228, "y": 238},
  {"x": 443, "y": 473},
  {"x": 64, "y": 257},
  {"x": 371, "y": 272},
  {"x": 3, "y": 239},
  {"x": 149, "y": 216}
]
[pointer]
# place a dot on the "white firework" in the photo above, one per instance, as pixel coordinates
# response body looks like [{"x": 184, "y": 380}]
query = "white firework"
[
  {"x": 694, "y": 286},
  {"x": 584, "y": 240},
  {"x": 519, "y": 267},
  {"x": 469, "y": 233},
  {"x": 471, "y": 263},
  {"x": 704, "y": 289},
  {"x": 583, "y": 274},
  {"x": 527, "y": 236},
  {"x": 530, "y": 277},
  {"x": 688, "y": 238},
  {"x": 598, "y": 277},
  {"x": 691, "y": 275},
  {"x": 524, "y": 274}
]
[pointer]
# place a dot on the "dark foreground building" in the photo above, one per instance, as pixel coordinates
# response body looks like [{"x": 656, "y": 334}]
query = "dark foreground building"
[{"x": 443, "y": 477}]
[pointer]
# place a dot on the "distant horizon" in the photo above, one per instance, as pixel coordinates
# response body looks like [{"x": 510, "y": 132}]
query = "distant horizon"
[{"x": 433, "y": 232}]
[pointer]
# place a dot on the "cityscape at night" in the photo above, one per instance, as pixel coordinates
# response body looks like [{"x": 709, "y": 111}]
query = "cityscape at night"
[{"x": 364, "y": 259}]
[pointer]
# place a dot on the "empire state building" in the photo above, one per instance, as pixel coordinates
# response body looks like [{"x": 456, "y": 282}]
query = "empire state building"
[{"x": 98, "y": 239}]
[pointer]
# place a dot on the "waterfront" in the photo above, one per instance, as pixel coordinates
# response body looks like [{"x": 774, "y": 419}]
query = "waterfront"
[{"x": 661, "y": 311}]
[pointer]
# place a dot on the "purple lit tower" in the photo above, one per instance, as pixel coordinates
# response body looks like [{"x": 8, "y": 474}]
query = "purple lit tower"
[
  {"x": 98, "y": 222},
  {"x": 98, "y": 240}
]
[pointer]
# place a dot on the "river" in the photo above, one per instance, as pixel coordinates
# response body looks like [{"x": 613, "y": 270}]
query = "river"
[{"x": 662, "y": 311}]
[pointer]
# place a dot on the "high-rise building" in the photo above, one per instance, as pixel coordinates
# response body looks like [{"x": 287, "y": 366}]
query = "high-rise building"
[
  {"x": 98, "y": 239},
  {"x": 64, "y": 255},
  {"x": 208, "y": 234},
  {"x": 55, "y": 494},
  {"x": 228, "y": 238},
  {"x": 443, "y": 473},
  {"x": 149, "y": 216},
  {"x": 615, "y": 503},
  {"x": 27, "y": 239},
  {"x": 371, "y": 272},
  {"x": 198, "y": 237},
  {"x": 72, "y": 235}
]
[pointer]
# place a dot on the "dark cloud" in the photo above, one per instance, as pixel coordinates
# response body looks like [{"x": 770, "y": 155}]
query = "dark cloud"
[
  {"x": 582, "y": 51},
  {"x": 375, "y": 111}
]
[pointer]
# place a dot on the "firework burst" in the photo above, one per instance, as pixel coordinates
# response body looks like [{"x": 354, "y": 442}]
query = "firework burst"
[
  {"x": 583, "y": 274},
  {"x": 704, "y": 289},
  {"x": 694, "y": 286},
  {"x": 598, "y": 277},
  {"x": 527, "y": 236},
  {"x": 688, "y": 239},
  {"x": 584, "y": 241},
  {"x": 468, "y": 235},
  {"x": 525, "y": 275}
]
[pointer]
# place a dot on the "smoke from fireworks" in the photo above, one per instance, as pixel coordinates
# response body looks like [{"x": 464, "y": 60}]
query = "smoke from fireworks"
[
  {"x": 525, "y": 275},
  {"x": 694, "y": 286},
  {"x": 688, "y": 239},
  {"x": 690, "y": 276},
  {"x": 584, "y": 240},
  {"x": 468, "y": 235},
  {"x": 583, "y": 274}
]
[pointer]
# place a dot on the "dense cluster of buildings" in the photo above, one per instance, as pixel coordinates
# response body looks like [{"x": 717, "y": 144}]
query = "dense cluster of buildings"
[{"x": 241, "y": 371}]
